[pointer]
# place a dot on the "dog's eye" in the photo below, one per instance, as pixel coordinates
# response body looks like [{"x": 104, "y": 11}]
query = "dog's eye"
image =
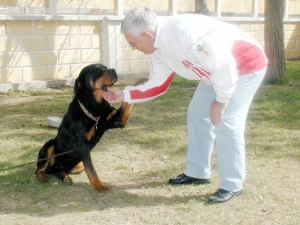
[{"x": 104, "y": 88}]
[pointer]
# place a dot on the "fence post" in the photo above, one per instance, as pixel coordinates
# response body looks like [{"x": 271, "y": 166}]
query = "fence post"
[
  {"x": 286, "y": 13},
  {"x": 218, "y": 4},
  {"x": 119, "y": 7},
  {"x": 51, "y": 8},
  {"x": 111, "y": 44},
  {"x": 173, "y": 7},
  {"x": 255, "y": 8}
]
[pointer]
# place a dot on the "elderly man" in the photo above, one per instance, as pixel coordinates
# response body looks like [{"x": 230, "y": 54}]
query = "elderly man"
[{"x": 230, "y": 66}]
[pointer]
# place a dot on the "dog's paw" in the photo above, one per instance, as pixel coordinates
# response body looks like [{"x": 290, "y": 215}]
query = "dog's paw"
[
  {"x": 43, "y": 178},
  {"x": 103, "y": 189},
  {"x": 68, "y": 180}
]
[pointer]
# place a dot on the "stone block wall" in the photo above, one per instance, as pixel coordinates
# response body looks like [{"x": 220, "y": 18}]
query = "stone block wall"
[
  {"x": 133, "y": 61},
  {"x": 38, "y": 50},
  {"x": 49, "y": 40},
  {"x": 292, "y": 40}
]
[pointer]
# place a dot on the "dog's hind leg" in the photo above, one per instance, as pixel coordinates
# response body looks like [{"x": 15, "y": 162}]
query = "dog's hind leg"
[
  {"x": 78, "y": 168},
  {"x": 65, "y": 177},
  {"x": 44, "y": 160}
]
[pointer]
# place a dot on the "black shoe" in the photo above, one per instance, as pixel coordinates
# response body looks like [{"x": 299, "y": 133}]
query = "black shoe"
[
  {"x": 222, "y": 195},
  {"x": 184, "y": 179}
]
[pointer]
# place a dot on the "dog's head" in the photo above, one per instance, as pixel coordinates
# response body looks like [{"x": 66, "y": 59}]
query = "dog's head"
[{"x": 93, "y": 80}]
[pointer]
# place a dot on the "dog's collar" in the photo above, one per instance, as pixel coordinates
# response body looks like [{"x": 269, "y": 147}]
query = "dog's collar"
[{"x": 96, "y": 119}]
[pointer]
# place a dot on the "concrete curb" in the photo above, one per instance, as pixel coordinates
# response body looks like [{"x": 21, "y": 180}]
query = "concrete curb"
[
  {"x": 43, "y": 84},
  {"x": 57, "y": 83}
]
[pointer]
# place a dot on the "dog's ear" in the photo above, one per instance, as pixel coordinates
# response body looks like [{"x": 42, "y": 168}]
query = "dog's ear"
[{"x": 77, "y": 86}]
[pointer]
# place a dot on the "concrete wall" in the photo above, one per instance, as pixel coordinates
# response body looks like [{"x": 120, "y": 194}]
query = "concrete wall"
[
  {"x": 38, "y": 50},
  {"x": 40, "y": 47},
  {"x": 292, "y": 40}
]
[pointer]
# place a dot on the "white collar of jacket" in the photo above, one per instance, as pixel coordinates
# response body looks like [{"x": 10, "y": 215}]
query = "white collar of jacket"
[{"x": 158, "y": 37}]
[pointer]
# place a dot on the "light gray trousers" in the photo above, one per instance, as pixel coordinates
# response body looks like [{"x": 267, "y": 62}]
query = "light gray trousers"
[{"x": 229, "y": 135}]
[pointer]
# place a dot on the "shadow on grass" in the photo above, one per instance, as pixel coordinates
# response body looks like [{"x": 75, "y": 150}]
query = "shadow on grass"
[
  {"x": 157, "y": 127},
  {"x": 21, "y": 193},
  {"x": 277, "y": 104}
]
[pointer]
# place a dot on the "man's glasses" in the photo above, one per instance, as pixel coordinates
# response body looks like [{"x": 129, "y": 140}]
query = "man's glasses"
[{"x": 133, "y": 44}]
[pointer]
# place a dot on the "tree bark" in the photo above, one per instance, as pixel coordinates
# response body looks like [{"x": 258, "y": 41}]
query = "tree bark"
[
  {"x": 274, "y": 39},
  {"x": 201, "y": 7}
]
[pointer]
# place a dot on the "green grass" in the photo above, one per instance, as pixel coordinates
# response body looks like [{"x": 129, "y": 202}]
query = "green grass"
[{"x": 137, "y": 161}]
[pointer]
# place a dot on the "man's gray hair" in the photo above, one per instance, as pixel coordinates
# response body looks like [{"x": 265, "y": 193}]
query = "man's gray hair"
[{"x": 139, "y": 20}]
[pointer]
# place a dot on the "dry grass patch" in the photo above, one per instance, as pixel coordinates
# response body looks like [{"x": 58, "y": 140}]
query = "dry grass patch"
[{"x": 137, "y": 162}]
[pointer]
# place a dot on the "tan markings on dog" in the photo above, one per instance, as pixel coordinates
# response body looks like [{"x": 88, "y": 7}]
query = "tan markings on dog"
[
  {"x": 94, "y": 180},
  {"x": 92, "y": 84},
  {"x": 127, "y": 108},
  {"x": 78, "y": 168},
  {"x": 106, "y": 79},
  {"x": 43, "y": 178},
  {"x": 52, "y": 159},
  {"x": 98, "y": 89},
  {"x": 114, "y": 112},
  {"x": 126, "y": 113},
  {"x": 91, "y": 133}
]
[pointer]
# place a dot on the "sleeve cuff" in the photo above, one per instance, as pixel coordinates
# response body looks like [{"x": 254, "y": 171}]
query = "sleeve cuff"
[
  {"x": 126, "y": 96},
  {"x": 222, "y": 99}
]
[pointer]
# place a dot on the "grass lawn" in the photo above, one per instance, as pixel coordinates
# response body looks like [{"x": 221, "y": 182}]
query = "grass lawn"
[{"x": 137, "y": 161}]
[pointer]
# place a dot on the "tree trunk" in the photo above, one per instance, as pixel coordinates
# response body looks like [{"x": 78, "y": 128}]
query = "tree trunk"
[
  {"x": 274, "y": 39},
  {"x": 201, "y": 7}
]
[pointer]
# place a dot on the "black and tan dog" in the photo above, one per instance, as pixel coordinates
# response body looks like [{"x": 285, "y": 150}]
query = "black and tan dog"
[{"x": 82, "y": 127}]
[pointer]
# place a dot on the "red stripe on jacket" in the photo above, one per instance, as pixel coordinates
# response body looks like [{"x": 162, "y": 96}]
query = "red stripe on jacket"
[
  {"x": 137, "y": 94},
  {"x": 201, "y": 72},
  {"x": 249, "y": 57}
]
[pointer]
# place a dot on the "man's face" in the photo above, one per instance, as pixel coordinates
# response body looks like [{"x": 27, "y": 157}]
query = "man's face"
[{"x": 143, "y": 43}]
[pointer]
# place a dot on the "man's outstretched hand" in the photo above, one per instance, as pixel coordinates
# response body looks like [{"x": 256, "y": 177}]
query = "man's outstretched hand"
[{"x": 113, "y": 95}]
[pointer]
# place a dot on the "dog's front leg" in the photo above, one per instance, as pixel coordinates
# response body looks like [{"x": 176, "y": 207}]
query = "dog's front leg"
[
  {"x": 126, "y": 108},
  {"x": 118, "y": 117},
  {"x": 121, "y": 116},
  {"x": 92, "y": 175}
]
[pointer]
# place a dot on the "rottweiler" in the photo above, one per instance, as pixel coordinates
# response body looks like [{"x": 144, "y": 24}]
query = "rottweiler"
[{"x": 82, "y": 127}]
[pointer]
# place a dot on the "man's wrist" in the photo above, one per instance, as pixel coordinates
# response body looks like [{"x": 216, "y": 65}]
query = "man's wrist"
[
  {"x": 126, "y": 94},
  {"x": 223, "y": 100}
]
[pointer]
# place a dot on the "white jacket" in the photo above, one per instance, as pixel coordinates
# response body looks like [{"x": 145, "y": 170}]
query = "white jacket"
[{"x": 199, "y": 47}]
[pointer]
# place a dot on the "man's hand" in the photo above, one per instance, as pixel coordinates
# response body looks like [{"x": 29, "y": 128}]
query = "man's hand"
[
  {"x": 113, "y": 95},
  {"x": 217, "y": 111}
]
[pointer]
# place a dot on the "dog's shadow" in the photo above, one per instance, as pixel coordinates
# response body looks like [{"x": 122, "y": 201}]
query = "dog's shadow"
[{"x": 28, "y": 196}]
